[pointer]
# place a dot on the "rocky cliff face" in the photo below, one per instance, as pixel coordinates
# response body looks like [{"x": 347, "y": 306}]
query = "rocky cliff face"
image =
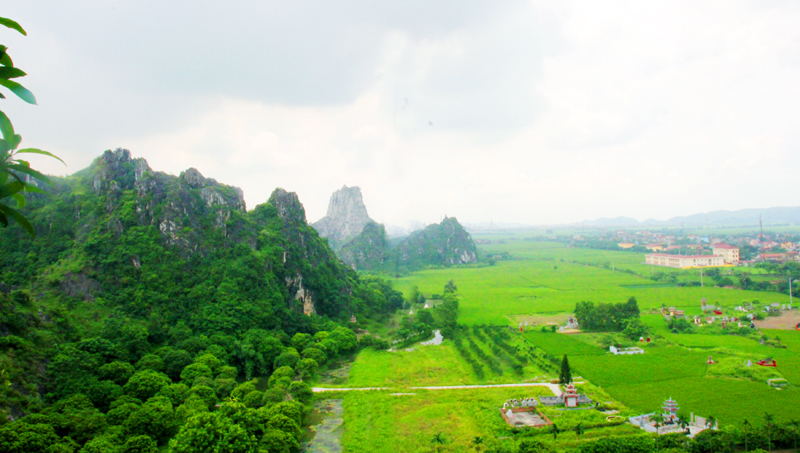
[
  {"x": 173, "y": 205},
  {"x": 346, "y": 217},
  {"x": 145, "y": 240}
]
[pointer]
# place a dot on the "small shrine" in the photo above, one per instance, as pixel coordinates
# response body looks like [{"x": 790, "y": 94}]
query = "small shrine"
[
  {"x": 670, "y": 424},
  {"x": 670, "y": 409},
  {"x": 570, "y": 396}
]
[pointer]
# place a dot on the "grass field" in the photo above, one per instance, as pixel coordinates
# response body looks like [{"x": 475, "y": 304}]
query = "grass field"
[
  {"x": 541, "y": 284},
  {"x": 382, "y": 422},
  {"x": 544, "y": 279}
]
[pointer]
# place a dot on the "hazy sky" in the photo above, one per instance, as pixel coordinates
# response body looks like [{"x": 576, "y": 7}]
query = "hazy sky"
[{"x": 530, "y": 112}]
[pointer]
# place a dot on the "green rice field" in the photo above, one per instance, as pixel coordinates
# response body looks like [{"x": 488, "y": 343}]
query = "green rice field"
[{"x": 541, "y": 284}]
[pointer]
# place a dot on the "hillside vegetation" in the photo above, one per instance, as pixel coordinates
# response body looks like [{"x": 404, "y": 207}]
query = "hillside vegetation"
[{"x": 147, "y": 299}]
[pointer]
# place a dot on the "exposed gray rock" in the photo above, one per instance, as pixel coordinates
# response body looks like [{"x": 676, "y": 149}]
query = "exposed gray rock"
[{"x": 346, "y": 217}]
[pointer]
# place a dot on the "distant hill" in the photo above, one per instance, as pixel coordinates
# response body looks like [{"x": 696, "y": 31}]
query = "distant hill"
[
  {"x": 444, "y": 244},
  {"x": 742, "y": 217}
]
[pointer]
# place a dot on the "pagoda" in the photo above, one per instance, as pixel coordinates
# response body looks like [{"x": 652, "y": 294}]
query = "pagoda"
[
  {"x": 670, "y": 409},
  {"x": 570, "y": 396}
]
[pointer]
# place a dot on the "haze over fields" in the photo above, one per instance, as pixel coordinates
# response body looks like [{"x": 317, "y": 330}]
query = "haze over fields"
[{"x": 527, "y": 112}]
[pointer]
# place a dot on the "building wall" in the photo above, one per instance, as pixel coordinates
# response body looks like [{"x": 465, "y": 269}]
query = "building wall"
[
  {"x": 682, "y": 262},
  {"x": 729, "y": 255}
]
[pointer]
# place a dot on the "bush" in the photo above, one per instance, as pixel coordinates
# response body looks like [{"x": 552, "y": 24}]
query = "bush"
[
  {"x": 633, "y": 444},
  {"x": 300, "y": 391}
]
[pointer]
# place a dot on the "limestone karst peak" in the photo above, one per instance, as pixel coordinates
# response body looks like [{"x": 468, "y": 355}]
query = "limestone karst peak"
[{"x": 345, "y": 218}]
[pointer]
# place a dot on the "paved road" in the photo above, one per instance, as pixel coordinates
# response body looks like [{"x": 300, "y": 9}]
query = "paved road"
[{"x": 553, "y": 387}]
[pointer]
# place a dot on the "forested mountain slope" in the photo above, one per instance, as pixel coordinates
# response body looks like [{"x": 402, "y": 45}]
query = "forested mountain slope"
[{"x": 139, "y": 279}]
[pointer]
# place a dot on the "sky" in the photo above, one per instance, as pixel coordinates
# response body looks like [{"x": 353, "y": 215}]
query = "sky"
[{"x": 511, "y": 112}]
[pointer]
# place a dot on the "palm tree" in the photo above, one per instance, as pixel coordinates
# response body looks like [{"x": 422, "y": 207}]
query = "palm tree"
[
  {"x": 768, "y": 419},
  {"x": 746, "y": 425},
  {"x": 477, "y": 441},
  {"x": 659, "y": 421},
  {"x": 438, "y": 439},
  {"x": 683, "y": 422},
  {"x": 744, "y": 279},
  {"x": 711, "y": 422}
]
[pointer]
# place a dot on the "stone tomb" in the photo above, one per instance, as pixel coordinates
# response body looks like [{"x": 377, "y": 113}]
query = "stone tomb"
[{"x": 523, "y": 413}]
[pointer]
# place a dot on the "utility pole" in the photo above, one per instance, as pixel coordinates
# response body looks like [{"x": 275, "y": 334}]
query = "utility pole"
[{"x": 701, "y": 277}]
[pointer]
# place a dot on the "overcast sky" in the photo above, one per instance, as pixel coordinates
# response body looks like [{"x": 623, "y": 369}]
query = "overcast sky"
[{"x": 511, "y": 111}]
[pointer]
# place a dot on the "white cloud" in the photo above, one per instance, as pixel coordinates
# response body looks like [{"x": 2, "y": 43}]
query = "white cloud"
[{"x": 526, "y": 112}]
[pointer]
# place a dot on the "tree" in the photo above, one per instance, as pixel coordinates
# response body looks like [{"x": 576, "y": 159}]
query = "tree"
[
  {"x": 438, "y": 440},
  {"x": 555, "y": 431},
  {"x": 210, "y": 431},
  {"x": 140, "y": 444},
  {"x": 683, "y": 421},
  {"x": 477, "y": 441},
  {"x": 450, "y": 287},
  {"x": 768, "y": 424},
  {"x": 565, "y": 376},
  {"x": 659, "y": 421},
  {"x": 16, "y": 175},
  {"x": 579, "y": 429},
  {"x": 118, "y": 372},
  {"x": 795, "y": 425},
  {"x": 746, "y": 425},
  {"x": 711, "y": 421},
  {"x": 146, "y": 383}
]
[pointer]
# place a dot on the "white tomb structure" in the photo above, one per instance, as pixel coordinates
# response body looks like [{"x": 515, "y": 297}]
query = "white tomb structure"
[{"x": 625, "y": 351}]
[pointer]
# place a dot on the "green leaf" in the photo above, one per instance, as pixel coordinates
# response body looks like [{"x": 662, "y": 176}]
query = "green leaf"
[
  {"x": 39, "y": 151},
  {"x": 11, "y": 188},
  {"x": 20, "y": 199},
  {"x": 6, "y": 128},
  {"x": 10, "y": 72},
  {"x": 8, "y": 212},
  {"x": 21, "y": 92},
  {"x": 5, "y": 59},
  {"x": 12, "y": 24},
  {"x": 33, "y": 189},
  {"x": 29, "y": 171}
]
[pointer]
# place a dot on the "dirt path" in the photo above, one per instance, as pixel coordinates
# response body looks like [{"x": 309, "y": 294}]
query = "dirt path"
[{"x": 553, "y": 387}]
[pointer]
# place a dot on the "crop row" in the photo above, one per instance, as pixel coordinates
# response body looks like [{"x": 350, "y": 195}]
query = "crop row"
[{"x": 465, "y": 354}]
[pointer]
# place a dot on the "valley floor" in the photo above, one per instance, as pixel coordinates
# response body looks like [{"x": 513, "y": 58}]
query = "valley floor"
[{"x": 541, "y": 285}]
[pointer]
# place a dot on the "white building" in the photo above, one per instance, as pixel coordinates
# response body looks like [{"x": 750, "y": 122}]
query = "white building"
[
  {"x": 684, "y": 261},
  {"x": 728, "y": 253}
]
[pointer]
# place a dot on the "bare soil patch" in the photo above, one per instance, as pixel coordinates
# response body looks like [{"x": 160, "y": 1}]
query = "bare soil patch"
[{"x": 786, "y": 321}]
